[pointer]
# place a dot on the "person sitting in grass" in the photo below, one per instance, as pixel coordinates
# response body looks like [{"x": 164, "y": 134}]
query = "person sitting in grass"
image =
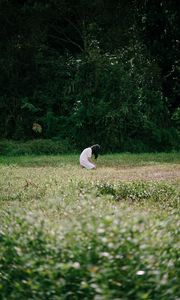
[{"x": 86, "y": 154}]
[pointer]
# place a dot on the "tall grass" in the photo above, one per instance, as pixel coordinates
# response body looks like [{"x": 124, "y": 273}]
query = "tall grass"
[{"x": 69, "y": 233}]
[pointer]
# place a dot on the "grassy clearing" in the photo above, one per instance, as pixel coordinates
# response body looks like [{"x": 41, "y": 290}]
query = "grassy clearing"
[
  {"x": 69, "y": 233},
  {"x": 108, "y": 160}
]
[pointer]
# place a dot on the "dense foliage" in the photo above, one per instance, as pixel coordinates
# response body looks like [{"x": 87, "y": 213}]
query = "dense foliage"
[
  {"x": 108, "y": 260},
  {"x": 36, "y": 146},
  {"x": 80, "y": 239},
  {"x": 91, "y": 71}
]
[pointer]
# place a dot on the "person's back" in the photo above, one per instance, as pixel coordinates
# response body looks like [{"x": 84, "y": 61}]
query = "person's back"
[{"x": 86, "y": 155}]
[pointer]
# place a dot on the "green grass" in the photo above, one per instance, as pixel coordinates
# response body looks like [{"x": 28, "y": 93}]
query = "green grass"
[
  {"x": 69, "y": 233},
  {"x": 124, "y": 159}
]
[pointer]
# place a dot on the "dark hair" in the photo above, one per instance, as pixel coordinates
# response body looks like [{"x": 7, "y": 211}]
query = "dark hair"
[{"x": 95, "y": 150}]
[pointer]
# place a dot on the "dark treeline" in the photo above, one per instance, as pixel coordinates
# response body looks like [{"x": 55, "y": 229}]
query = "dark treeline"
[{"x": 96, "y": 71}]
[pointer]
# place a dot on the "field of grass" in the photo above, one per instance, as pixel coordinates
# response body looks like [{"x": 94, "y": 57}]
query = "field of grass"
[{"x": 106, "y": 234}]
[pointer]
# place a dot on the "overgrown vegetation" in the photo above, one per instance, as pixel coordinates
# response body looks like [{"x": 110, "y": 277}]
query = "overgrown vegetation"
[
  {"x": 37, "y": 146},
  {"x": 106, "y": 259},
  {"x": 91, "y": 72},
  {"x": 69, "y": 233}
]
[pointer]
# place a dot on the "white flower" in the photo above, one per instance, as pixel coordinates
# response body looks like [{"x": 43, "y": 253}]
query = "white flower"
[
  {"x": 100, "y": 230},
  {"x": 76, "y": 265},
  {"x": 105, "y": 254},
  {"x": 140, "y": 272}
]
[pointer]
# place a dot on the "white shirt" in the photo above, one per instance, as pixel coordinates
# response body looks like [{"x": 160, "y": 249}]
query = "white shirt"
[{"x": 87, "y": 153}]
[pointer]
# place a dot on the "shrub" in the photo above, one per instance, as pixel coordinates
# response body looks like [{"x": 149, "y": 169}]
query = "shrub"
[
  {"x": 162, "y": 193},
  {"x": 39, "y": 146}
]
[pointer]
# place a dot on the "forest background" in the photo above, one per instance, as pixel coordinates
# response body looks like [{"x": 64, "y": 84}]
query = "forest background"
[{"x": 83, "y": 72}]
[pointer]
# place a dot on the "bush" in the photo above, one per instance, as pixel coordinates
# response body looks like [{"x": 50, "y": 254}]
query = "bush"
[
  {"x": 162, "y": 193},
  {"x": 39, "y": 146}
]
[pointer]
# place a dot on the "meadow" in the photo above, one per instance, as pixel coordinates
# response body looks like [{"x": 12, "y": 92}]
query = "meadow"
[{"x": 105, "y": 234}]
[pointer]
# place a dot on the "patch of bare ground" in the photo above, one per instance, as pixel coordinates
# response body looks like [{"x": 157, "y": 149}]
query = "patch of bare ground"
[{"x": 155, "y": 173}]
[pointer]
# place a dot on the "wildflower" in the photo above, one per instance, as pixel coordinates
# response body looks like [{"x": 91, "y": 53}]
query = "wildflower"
[{"x": 140, "y": 272}]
